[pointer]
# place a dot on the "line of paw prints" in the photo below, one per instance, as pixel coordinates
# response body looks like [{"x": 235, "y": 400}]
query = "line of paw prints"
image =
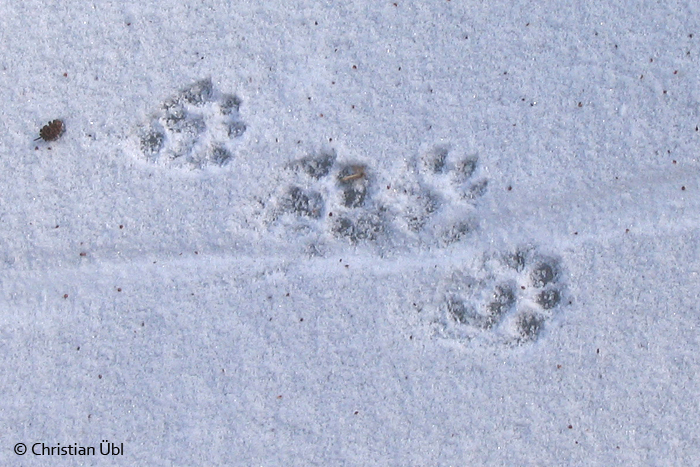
[
  {"x": 437, "y": 203},
  {"x": 510, "y": 298},
  {"x": 432, "y": 203},
  {"x": 194, "y": 128}
]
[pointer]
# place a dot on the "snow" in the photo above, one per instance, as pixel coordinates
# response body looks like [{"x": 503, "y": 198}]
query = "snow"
[{"x": 366, "y": 233}]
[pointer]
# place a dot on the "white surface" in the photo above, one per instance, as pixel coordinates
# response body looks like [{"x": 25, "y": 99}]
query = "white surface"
[{"x": 204, "y": 324}]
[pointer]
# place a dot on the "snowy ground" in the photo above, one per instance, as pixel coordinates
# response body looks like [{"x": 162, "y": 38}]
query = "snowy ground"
[{"x": 360, "y": 233}]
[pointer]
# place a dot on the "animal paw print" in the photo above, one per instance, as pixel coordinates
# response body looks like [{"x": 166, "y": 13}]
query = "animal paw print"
[
  {"x": 194, "y": 128},
  {"x": 331, "y": 197},
  {"x": 509, "y": 298},
  {"x": 437, "y": 204}
]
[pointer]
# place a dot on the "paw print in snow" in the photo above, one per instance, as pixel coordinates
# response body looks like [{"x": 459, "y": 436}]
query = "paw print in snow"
[
  {"x": 196, "y": 127},
  {"x": 330, "y": 197},
  {"x": 437, "y": 203},
  {"x": 508, "y": 298},
  {"x": 452, "y": 176},
  {"x": 433, "y": 203}
]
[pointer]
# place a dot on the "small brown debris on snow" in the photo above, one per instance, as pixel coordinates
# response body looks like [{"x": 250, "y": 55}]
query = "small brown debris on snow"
[{"x": 52, "y": 131}]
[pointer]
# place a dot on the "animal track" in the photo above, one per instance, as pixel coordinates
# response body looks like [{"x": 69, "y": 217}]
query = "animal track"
[
  {"x": 194, "y": 128},
  {"x": 433, "y": 203},
  {"x": 505, "y": 297},
  {"x": 438, "y": 204},
  {"x": 331, "y": 197}
]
